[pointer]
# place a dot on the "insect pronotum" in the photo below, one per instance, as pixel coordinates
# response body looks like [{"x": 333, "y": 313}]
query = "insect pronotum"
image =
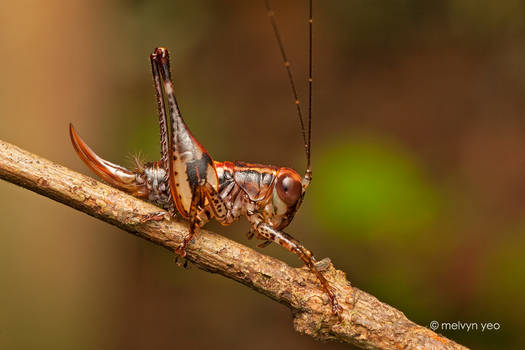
[{"x": 187, "y": 181}]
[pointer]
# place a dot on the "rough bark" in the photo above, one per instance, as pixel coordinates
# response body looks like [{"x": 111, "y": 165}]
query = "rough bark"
[{"x": 365, "y": 322}]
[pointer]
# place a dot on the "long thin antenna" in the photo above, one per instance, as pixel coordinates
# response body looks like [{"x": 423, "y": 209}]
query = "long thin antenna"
[
  {"x": 310, "y": 80},
  {"x": 287, "y": 65}
]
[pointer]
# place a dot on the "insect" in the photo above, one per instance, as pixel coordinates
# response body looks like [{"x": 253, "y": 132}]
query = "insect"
[{"x": 187, "y": 181}]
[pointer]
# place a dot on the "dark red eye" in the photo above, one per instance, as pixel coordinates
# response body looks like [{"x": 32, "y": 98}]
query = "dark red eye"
[{"x": 289, "y": 187}]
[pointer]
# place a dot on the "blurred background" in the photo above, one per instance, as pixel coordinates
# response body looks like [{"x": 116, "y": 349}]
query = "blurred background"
[{"x": 418, "y": 160}]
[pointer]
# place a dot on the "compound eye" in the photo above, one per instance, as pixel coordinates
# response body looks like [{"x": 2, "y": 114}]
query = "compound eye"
[{"x": 289, "y": 187}]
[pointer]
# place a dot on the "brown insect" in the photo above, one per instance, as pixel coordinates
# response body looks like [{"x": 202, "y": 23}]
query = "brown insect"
[{"x": 186, "y": 180}]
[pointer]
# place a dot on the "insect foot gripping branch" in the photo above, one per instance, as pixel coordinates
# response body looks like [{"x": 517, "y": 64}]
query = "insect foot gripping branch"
[{"x": 188, "y": 181}]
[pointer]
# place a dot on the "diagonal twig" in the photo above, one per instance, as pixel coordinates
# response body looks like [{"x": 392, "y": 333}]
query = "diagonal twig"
[{"x": 365, "y": 322}]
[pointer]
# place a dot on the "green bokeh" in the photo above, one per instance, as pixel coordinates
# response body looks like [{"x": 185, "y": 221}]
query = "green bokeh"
[{"x": 369, "y": 187}]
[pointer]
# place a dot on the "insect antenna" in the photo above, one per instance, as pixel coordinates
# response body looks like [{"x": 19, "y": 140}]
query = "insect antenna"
[
  {"x": 287, "y": 65},
  {"x": 310, "y": 80}
]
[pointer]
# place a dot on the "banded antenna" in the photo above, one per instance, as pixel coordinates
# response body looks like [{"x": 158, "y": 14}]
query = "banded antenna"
[{"x": 306, "y": 136}]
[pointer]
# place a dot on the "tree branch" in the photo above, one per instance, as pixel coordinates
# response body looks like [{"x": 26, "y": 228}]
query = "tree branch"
[{"x": 366, "y": 322}]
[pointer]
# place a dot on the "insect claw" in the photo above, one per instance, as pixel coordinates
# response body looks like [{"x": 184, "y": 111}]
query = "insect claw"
[{"x": 115, "y": 175}]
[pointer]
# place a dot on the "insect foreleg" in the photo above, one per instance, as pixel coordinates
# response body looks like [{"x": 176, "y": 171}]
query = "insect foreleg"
[{"x": 265, "y": 231}]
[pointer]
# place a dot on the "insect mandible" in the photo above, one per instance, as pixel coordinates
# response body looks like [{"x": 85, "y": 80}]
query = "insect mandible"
[{"x": 186, "y": 180}]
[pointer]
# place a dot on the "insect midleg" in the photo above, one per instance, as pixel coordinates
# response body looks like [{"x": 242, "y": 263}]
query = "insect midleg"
[
  {"x": 215, "y": 203},
  {"x": 215, "y": 207}
]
